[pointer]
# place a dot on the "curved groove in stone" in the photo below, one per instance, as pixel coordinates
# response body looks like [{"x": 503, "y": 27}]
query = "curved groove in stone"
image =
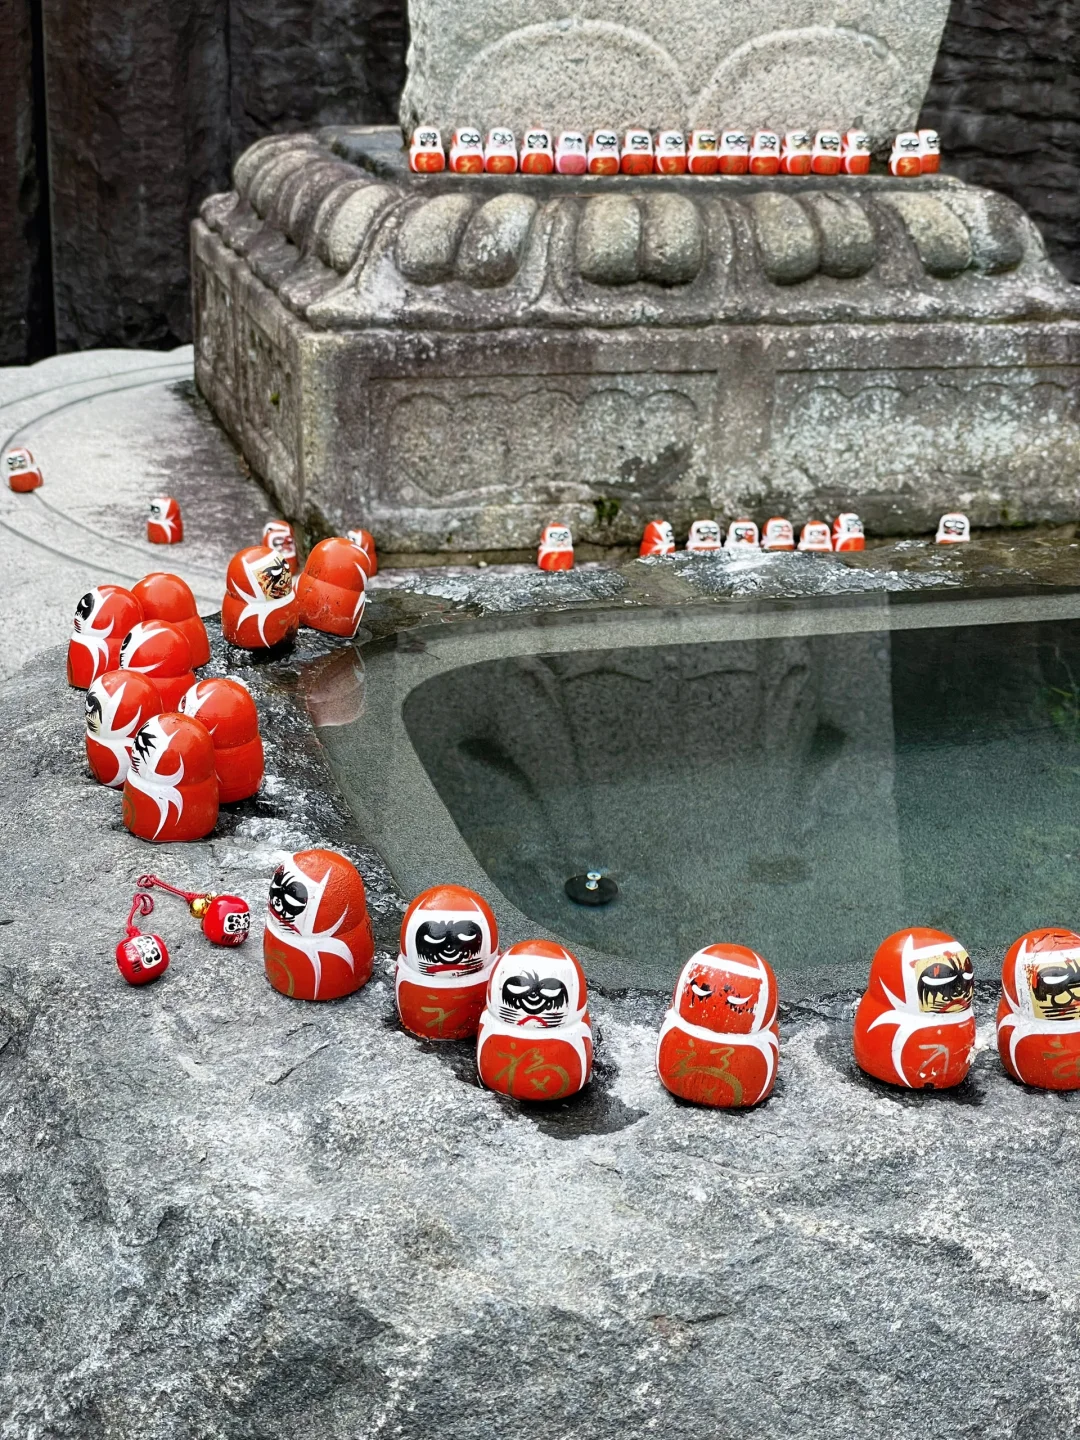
[
  {"x": 609, "y": 240},
  {"x": 265, "y": 186},
  {"x": 997, "y": 226},
  {"x": 941, "y": 240},
  {"x": 256, "y": 156},
  {"x": 494, "y": 241},
  {"x": 429, "y": 238},
  {"x": 787, "y": 241},
  {"x": 340, "y": 244},
  {"x": 846, "y": 236},
  {"x": 307, "y": 200},
  {"x": 673, "y": 240}
]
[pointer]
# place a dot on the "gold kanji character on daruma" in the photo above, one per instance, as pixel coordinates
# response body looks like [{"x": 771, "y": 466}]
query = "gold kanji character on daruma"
[{"x": 535, "y": 1040}]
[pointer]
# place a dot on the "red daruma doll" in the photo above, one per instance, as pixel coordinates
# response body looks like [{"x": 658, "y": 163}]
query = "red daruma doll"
[
  {"x": 449, "y": 945},
  {"x": 796, "y": 153},
  {"x": 259, "y": 610},
  {"x": 826, "y": 157},
  {"x": 118, "y": 705},
  {"x": 171, "y": 790},
  {"x": 603, "y": 157},
  {"x": 659, "y": 539},
  {"x": 765, "y": 153},
  {"x": 365, "y": 543},
  {"x": 535, "y": 1040},
  {"x": 103, "y": 618},
  {"x": 855, "y": 156},
  {"x": 848, "y": 532},
  {"x": 318, "y": 943},
  {"x": 1038, "y": 1019},
  {"x": 914, "y": 1025},
  {"x": 556, "y": 550},
  {"x": 279, "y": 536},
  {"x": 466, "y": 153},
  {"x": 227, "y": 710},
  {"x": 500, "y": 152},
  {"x": 734, "y": 152},
  {"x": 331, "y": 591},
  {"x": 537, "y": 154},
  {"x": 160, "y": 651},
  {"x": 426, "y": 153},
  {"x": 720, "y": 1042},
  {"x": 671, "y": 152},
  {"x": 164, "y": 525},
  {"x": 167, "y": 597},
  {"x": 905, "y": 158},
  {"x": 22, "y": 474},
  {"x": 637, "y": 153}
]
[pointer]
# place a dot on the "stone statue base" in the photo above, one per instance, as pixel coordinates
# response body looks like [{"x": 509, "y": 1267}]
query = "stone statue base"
[{"x": 453, "y": 361}]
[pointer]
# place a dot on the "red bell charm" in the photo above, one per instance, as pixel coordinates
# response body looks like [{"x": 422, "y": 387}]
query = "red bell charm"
[
  {"x": 449, "y": 945},
  {"x": 331, "y": 592},
  {"x": 259, "y": 610},
  {"x": 720, "y": 1042},
  {"x": 365, "y": 543},
  {"x": 227, "y": 710},
  {"x": 914, "y": 1025},
  {"x": 118, "y": 705},
  {"x": 225, "y": 919},
  {"x": 535, "y": 1040},
  {"x": 22, "y": 474},
  {"x": 103, "y": 617},
  {"x": 167, "y": 597},
  {"x": 278, "y": 535},
  {"x": 171, "y": 790},
  {"x": 160, "y": 651},
  {"x": 164, "y": 523},
  {"x": 141, "y": 958},
  {"x": 318, "y": 943},
  {"x": 1038, "y": 1019}
]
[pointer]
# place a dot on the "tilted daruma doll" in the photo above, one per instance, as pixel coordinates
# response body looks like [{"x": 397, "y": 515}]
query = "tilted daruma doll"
[
  {"x": 118, "y": 705},
  {"x": 426, "y": 153},
  {"x": 914, "y": 1025},
  {"x": 659, "y": 539},
  {"x": 160, "y": 651},
  {"x": 331, "y": 591},
  {"x": 765, "y": 153},
  {"x": 318, "y": 943},
  {"x": 22, "y": 474},
  {"x": 1038, "y": 1019},
  {"x": 102, "y": 619},
  {"x": 227, "y": 710},
  {"x": 365, "y": 543},
  {"x": 279, "y": 536},
  {"x": 259, "y": 610},
  {"x": 556, "y": 551},
  {"x": 848, "y": 533},
  {"x": 720, "y": 1041},
  {"x": 164, "y": 523},
  {"x": 535, "y": 1040},
  {"x": 449, "y": 946},
  {"x": 167, "y": 597},
  {"x": 171, "y": 790}
]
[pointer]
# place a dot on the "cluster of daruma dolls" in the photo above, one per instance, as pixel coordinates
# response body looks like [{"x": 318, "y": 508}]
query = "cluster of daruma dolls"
[
  {"x": 638, "y": 152},
  {"x": 179, "y": 747}
]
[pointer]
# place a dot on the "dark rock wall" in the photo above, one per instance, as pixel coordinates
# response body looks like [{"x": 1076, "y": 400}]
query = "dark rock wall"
[{"x": 25, "y": 332}]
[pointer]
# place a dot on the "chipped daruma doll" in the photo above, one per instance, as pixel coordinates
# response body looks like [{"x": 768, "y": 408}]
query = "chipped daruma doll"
[
  {"x": 720, "y": 1041},
  {"x": 765, "y": 153},
  {"x": 637, "y": 153},
  {"x": 659, "y": 539},
  {"x": 161, "y": 652},
  {"x": 118, "y": 705},
  {"x": 318, "y": 943},
  {"x": 848, "y": 533},
  {"x": 535, "y": 1040},
  {"x": 227, "y": 710},
  {"x": 571, "y": 153},
  {"x": 796, "y": 152},
  {"x": 167, "y": 597},
  {"x": 855, "y": 155},
  {"x": 449, "y": 946},
  {"x": 1038, "y": 1018},
  {"x": 537, "y": 153},
  {"x": 671, "y": 152},
  {"x": 914, "y": 1025},
  {"x": 164, "y": 524},
  {"x": 466, "y": 154},
  {"x": 556, "y": 551},
  {"x": 171, "y": 789},
  {"x": 259, "y": 610},
  {"x": 331, "y": 592},
  {"x": 103, "y": 617},
  {"x": 426, "y": 153}
]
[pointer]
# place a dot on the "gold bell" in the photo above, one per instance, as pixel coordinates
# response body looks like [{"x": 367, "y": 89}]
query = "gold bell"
[{"x": 200, "y": 905}]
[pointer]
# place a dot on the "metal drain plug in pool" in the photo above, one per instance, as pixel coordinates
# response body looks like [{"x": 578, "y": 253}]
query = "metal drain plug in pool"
[{"x": 592, "y": 888}]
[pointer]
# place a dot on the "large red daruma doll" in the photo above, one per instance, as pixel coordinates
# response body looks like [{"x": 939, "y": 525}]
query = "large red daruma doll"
[
  {"x": 449, "y": 945},
  {"x": 318, "y": 943},
  {"x": 171, "y": 790},
  {"x": 103, "y": 617},
  {"x": 331, "y": 592},
  {"x": 535, "y": 1040},
  {"x": 227, "y": 710},
  {"x": 1038, "y": 1018},
  {"x": 259, "y": 610},
  {"x": 160, "y": 651},
  {"x": 167, "y": 597},
  {"x": 914, "y": 1025},
  {"x": 118, "y": 705},
  {"x": 720, "y": 1041}
]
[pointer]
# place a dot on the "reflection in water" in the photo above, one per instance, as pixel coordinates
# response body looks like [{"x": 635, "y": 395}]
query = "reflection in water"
[{"x": 333, "y": 687}]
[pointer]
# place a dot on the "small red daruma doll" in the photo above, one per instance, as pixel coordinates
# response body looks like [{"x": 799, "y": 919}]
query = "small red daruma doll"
[
  {"x": 22, "y": 474},
  {"x": 537, "y": 153},
  {"x": 816, "y": 537},
  {"x": 571, "y": 153},
  {"x": 279, "y": 536},
  {"x": 603, "y": 156},
  {"x": 161, "y": 652},
  {"x": 670, "y": 158},
  {"x": 259, "y": 610},
  {"x": 929, "y": 152},
  {"x": 637, "y": 153},
  {"x": 556, "y": 550},
  {"x": 704, "y": 537},
  {"x": 825, "y": 157},
  {"x": 318, "y": 943},
  {"x": 855, "y": 155},
  {"x": 734, "y": 152},
  {"x": 426, "y": 153},
  {"x": 848, "y": 533},
  {"x": 1038, "y": 1019},
  {"x": 500, "y": 151},
  {"x": 449, "y": 945},
  {"x": 171, "y": 789},
  {"x": 742, "y": 535},
  {"x": 142, "y": 958},
  {"x": 103, "y": 617},
  {"x": 953, "y": 529},
  {"x": 779, "y": 534},
  {"x": 118, "y": 705},
  {"x": 659, "y": 539},
  {"x": 466, "y": 152},
  {"x": 365, "y": 543},
  {"x": 227, "y": 710},
  {"x": 702, "y": 158},
  {"x": 331, "y": 591},
  {"x": 914, "y": 1025},
  {"x": 765, "y": 153},
  {"x": 905, "y": 158},
  {"x": 796, "y": 152},
  {"x": 535, "y": 1040},
  {"x": 164, "y": 524},
  {"x": 167, "y": 597},
  {"x": 720, "y": 1041}
]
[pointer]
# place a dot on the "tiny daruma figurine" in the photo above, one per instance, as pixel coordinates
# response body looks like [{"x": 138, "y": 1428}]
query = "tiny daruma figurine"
[
  {"x": 816, "y": 537},
  {"x": 537, "y": 153},
  {"x": 365, "y": 543},
  {"x": 449, "y": 946},
  {"x": 259, "y": 610},
  {"x": 318, "y": 943},
  {"x": 779, "y": 534},
  {"x": 102, "y": 619},
  {"x": 571, "y": 153},
  {"x": 535, "y": 1040},
  {"x": 953, "y": 529},
  {"x": 21, "y": 472},
  {"x": 914, "y": 1025},
  {"x": 704, "y": 537},
  {"x": 279, "y": 536},
  {"x": 720, "y": 1041},
  {"x": 848, "y": 533},
  {"x": 742, "y": 535},
  {"x": 765, "y": 153},
  {"x": 141, "y": 958},
  {"x": 466, "y": 154},
  {"x": 734, "y": 152},
  {"x": 500, "y": 151},
  {"x": 603, "y": 154},
  {"x": 171, "y": 790},
  {"x": 118, "y": 705},
  {"x": 426, "y": 153},
  {"x": 671, "y": 152},
  {"x": 658, "y": 539},
  {"x": 796, "y": 153},
  {"x": 1038, "y": 1018},
  {"x": 556, "y": 550},
  {"x": 905, "y": 159},
  {"x": 164, "y": 523},
  {"x": 855, "y": 157},
  {"x": 227, "y": 710},
  {"x": 637, "y": 153}
]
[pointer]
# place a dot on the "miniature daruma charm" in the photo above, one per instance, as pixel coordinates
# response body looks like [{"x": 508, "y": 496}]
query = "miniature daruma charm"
[
  {"x": 953, "y": 529},
  {"x": 118, "y": 705},
  {"x": 331, "y": 591},
  {"x": 278, "y": 535},
  {"x": 929, "y": 152},
  {"x": 22, "y": 474},
  {"x": 855, "y": 155},
  {"x": 318, "y": 943},
  {"x": 556, "y": 550},
  {"x": 720, "y": 1041},
  {"x": 426, "y": 153},
  {"x": 704, "y": 537},
  {"x": 914, "y": 1025},
  {"x": 742, "y": 535},
  {"x": 103, "y": 617},
  {"x": 816, "y": 537},
  {"x": 466, "y": 153},
  {"x": 171, "y": 790},
  {"x": 765, "y": 153},
  {"x": 779, "y": 534},
  {"x": 227, "y": 710},
  {"x": 167, "y": 597},
  {"x": 905, "y": 158},
  {"x": 671, "y": 152},
  {"x": 734, "y": 154},
  {"x": 659, "y": 539},
  {"x": 571, "y": 153},
  {"x": 449, "y": 944},
  {"x": 1038, "y": 1019},
  {"x": 702, "y": 158},
  {"x": 603, "y": 156},
  {"x": 500, "y": 152},
  {"x": 537, "y": 153},
  {"x": 259, "y": 610},
  {"x": 365, "y": 543},
  {"x": 826, "y": 154},
  {"x": 161, "y": 652},
  {"x": 848, "y": 533},
  {"x": 164, "y": 524},
  {"x": 637, "y": 153},
  {"x": 796, "y": 153},
  {"x": 535, "y": 1040}
]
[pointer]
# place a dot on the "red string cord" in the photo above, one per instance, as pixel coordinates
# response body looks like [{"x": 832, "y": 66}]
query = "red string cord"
[
  {"x": 141, "y": 904},
  {"x": 146, "y": 882}
]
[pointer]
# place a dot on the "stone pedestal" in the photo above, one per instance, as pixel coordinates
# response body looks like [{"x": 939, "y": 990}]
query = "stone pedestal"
[{"x": 455, "y": 360}]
